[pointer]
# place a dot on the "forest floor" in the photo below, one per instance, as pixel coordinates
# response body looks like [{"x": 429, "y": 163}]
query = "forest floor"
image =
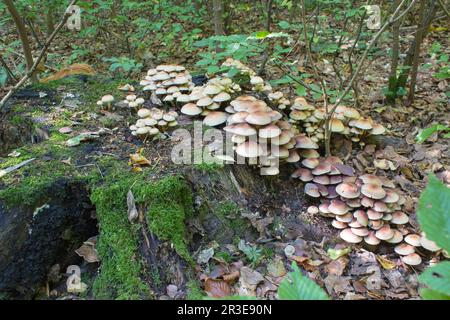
[{"x": 268, "y": 217}]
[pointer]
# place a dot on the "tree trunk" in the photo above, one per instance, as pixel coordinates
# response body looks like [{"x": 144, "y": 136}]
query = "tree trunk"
[
  {"x": 218, "y": 17},
  {"x": 23, "y": 36},
  {"x": 395, "y": 55}
]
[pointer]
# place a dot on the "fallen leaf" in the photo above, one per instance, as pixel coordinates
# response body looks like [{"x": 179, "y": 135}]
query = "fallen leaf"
[
  {"x": 217, "y": 288},
  {"x": 337, "y": 253},
  {"x": 385, "y": 263}
]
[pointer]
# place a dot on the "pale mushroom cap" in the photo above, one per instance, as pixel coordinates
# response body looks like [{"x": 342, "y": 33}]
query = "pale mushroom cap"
[
  {"x": 399, "y": 217},
  {"x": 338, "y": 224},
  {"x": 413, "y": 239},
  {"x": 367, "y": 202},
  {"x": 364, "y": 124},
  {"x": 412, "y": 259},
  {"x": 269, "y": 131},
  {"x": 391, "y": 197},
  {"x": 348, "y": 190},
  {"x": 256, "y": 80},
  {"x": 361, "y": 217},
  {"x": 191, "y": 109},
  {"x": 338, "y": 207},
  {"x": 428, "y": 244},
  {"x": 309, "y": 153},
  {"x": 380, "y": 206},
  {"x": 212, "y": 90},
  {"x": 221, "y": 97},
  {"x": 348, "y": 236},
  {"x": 242, "y": 129},
  {"x": 373, "y": 191},
  {"x": 384, "y": 233},
  {"x": 374, "y": 215},
  {"x": 293, "y": 156},
  {"x": 371, "y": 239},
  {"x": 215, "y": 118},
  {"x": 377, "y": 129},
  {"x": 337, "y": 125},
  {"x": 362, "y": 232},
  {"x": 310, "y": 163},
  {"x": 270, "y": 171},
  {"x": 142, "y": 131},
  {"x": 347, "y": 218},
  {"x": 107, "y": 99},
  {"x": 312, "y": 210},
  {"x": 397, "y": 238},
  {"x": 131, "y": 97},
  {"x": 404, "y": 249},
  {"x": 312, "y": 190},
  {"x": 249, "y": 149},
  {"x": 303, "y": 174},
  {"x": 303, "y": 142},
  {"x": 204, "y": 102},
  {"x": 322, "y": 179},
  {"x": 260, "y": 118},
  {"x": 150, "y": 122},
  {"x": 143, "y": 113},
  {"x": 322, "y": 168}
]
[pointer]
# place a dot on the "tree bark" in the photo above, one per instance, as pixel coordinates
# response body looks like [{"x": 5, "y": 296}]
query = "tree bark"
[
  {"x": 23, "y": 36},
  {"x": 218, "y": 17}
]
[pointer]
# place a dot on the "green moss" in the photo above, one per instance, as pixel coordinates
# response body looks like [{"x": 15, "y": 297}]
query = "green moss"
[
  {"x": 194, "y": 291},
  {"x": 209, "y": 167},
  {"x": 121, "y": 268},
  {"x": 227, "y": 207},
  {"x": 169, "y": 203}
]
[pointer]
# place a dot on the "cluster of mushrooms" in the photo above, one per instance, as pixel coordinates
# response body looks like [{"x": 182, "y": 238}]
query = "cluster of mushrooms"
[
  {"x": 153, "y": 121},
  {"x": 168, "y": 82},
  {"x": 346, "y": 121},
  {"x": 365, "y": 208},
  {"x": 212, "y": 96},
  {"x": 133, "y": 101},
  {"x": 106, "y": 101}
]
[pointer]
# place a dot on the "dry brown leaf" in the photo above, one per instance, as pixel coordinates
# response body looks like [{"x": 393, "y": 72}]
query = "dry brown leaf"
[{"x": 217, "y": 288}]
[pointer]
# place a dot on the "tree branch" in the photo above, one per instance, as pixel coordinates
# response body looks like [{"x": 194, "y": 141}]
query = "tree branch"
[{"x": 39, "y": 58}]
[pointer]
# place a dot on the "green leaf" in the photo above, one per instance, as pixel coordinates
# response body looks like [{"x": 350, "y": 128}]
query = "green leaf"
[
  {"x": 284, "y": 24},
  {"x": 262, "y": 34},
  {"x": 301, "y": 91},
  {"x": 296, "y": 286},
  {"x": 337, "y": 253},
  {"x": 429, "y": 294},
  {"x": 426, "y": 133},
  {"x": 437, "y": 278},
  {"x": 434, "y": 213}
]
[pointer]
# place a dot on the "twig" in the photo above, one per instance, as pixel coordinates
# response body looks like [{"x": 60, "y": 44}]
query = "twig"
[
  {"x": 8, "y": 71},
  {"x": 39, "y": 58},
  {"x": 444, "y": 8}
]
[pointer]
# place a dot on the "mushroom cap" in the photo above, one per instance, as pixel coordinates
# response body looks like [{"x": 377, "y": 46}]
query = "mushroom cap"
[
  {"x": 377, "y": 129},
  {"x": 215, "y": 118},
  {"x": 269, "y": 171},
  {"x": 338, "y": 207},
  {"x": 242, "y": 129},
  {"x": 338, "y": 224},
  {"x": 374, "y": 215},
  {"x": 191, "y": 109},
  {"x": 348, "y": 190},
  {"x": 323, "y": 207},
  {"x": 322, "y": 168},
  {"x": 373, "y": 191},
  {"x": 428, "y": 244},
  {"x": 221, "y": 97},
  {"x": 380, "y": 206},
  {"x": 355, "y": 224},
  {"x": 293, "y": 156},
  {"x": 309, "y": 153},
  {"x": 371, "y": 239},
  {"x": 362, "y": 232},
  {"x": 347, "y": 218},
  {"x": 304, "y": 142},
  {"x": 238, "y": 117},
  {"x": 270, "y": 131},
  {"x": 412, "y": 259},
  {"x": 361, "y": 217},
  {"x": 303, "y": 174},
  {"x": 312, "y": 210},
  {"x": 391, "y": 196},
  {"x": 259, "y": 118},
  {"x": 249, "y": 149},
  {"x": 348, "y": 236},
  {"x": 376, "y": 224},
  {"x": 371, "y": 178},
  {"x": 324, "y": 180},
  {"x": 142, "y": 131},
  {"x": 399, "y": 217},
  {"x": 150, "y": 122},
  {"x": 255, "y": 80},
  {"x": 367, "y": 202},
  {"x": 212, "y": 90},
  {"x": 384, "y": 233},
  {"x": 335, "y": 179},
  {"x": 353, "y": 203},
  {"x": 404, "y": 249},
  {"x": 131, "y": 97},
  {"x": 143, "y": 113},
  {"x": 107, "y": 99},
  {"x": 337, "y": 125},
  {"x": 397, "y": 238},
  {"x": 413, "y": 239},
  {"x": 312, "y": 190},
  {"x": 310, "y": 163},
  {"x": 204, "y": 102},
  {"x": 361, "y": 123}
]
